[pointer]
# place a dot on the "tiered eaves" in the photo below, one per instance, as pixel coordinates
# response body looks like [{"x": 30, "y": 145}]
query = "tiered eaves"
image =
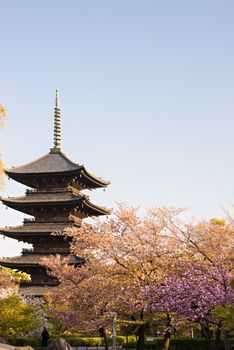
[{"x": 56, "y": 202}]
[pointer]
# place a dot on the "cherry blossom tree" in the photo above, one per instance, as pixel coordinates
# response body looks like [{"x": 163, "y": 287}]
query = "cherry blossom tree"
[
  {"x": 210, "y": 241},
  {"x": 192, "y": 294},
  {"x": 125, "y": 251},
  {"x": 129, "y": 252},
  {"x": 3, "y": 116}
]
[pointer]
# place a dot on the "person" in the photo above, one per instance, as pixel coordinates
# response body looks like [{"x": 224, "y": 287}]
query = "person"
[{"x": 45, "y": 337}]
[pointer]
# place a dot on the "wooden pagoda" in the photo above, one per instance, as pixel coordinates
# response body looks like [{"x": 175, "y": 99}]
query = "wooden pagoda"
[{"x": 55, "y": 201}]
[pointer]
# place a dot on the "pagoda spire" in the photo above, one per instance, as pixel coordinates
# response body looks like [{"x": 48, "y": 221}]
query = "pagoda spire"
[{"x": 57, "y": 123}]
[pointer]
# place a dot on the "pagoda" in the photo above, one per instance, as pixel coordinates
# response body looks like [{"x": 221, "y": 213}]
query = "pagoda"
[{"x": 56, "y": 202}]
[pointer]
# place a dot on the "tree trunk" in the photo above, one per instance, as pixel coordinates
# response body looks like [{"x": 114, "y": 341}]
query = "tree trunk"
[
  {"x": 227, "y": 345},
  {"x": 218, "y": 335},
  {"x": 191, "y": 333},
  {"x": 167, "y": 335},
  {"x": 207, "y": 334},
  {"x": 126, "y": 335},
  {"x": 140, "y": 338},
  {"x": 141, "y": 334},
  {"x": 105, "y": 342}
]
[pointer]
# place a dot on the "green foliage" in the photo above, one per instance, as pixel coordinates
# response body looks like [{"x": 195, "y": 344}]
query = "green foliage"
[
  {"x": 226, "y": 315},
  {"x": 33, "y": 342},
  {"x": 216, "y": 221},
  {"x": 72, "y": 340},
  {"x": 17, "y": 276},
  {"x": 91, "y": 341},
  {"x": 95, "y": 341},
  {"x": 176, "y": 344},
  {"x": 16, "y": 317}
]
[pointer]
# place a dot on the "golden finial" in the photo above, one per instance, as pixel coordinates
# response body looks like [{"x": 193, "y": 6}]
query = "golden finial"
[
  {"x": 57, "y": 104},
  {"x": 57, "y": 123}
]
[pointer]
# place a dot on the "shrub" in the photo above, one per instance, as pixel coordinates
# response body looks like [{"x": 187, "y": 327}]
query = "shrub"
[
  {"x": 33, "y": 342},
  {"x": 75, "y": 341},
  {"x": 92, "y": 341},
  {"x": 175, "y": 344},
  {"x": 120, "y": 340}
]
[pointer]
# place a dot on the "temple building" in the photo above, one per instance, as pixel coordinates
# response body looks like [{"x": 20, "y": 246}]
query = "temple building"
[{"x": 56, "y": 202}]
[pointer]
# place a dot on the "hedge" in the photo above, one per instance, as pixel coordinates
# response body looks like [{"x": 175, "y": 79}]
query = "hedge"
[
  {"x": 176, "y": 344},
  {"x": 33, "y": 342},
  {"x": 179, "y": 344},
  {"x": 73, "y": 341}
]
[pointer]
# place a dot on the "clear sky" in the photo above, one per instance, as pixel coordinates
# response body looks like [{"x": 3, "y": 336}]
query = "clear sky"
[{"x": 147, "y": 97}]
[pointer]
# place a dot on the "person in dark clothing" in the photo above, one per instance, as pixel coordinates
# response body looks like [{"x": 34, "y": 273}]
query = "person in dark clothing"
[{"x": 45, "y": 337}]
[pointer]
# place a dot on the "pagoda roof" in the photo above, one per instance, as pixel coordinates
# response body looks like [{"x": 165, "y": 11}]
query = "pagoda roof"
[
  {"x": 44, "y": 198},
  {"x": 97, "y": 209},
  {"x": 55, "y": 198},
  {"x": 55, "y": 162},
  {"x": 93, "y": 180},
  {"x": 52, "y": 162},
  {"x": 35, "y": 227},
  {"x": 29, "y": 260}
]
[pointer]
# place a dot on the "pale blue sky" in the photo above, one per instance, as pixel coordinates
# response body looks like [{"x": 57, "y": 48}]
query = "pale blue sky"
[{"x": 147, "y": 97}]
